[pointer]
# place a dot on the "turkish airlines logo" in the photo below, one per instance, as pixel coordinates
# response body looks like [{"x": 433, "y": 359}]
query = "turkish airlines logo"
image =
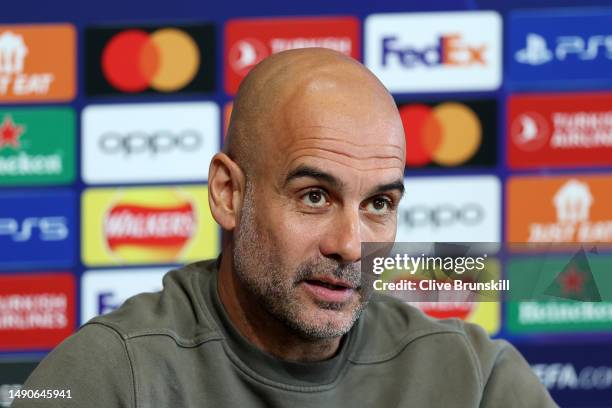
[
  {"x": 249, "y": 41},
  {"x": 573, "y": 129},
  {"x": 529, "y": 131},
  {"x": 153, "y": 59},
  {"x": 28, "y": 71},
  {"x": 37, "y": 311},
  {"x": 245, "y": 54}
]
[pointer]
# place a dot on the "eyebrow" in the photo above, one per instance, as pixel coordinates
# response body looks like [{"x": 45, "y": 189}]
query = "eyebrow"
[{"x": 311, "y": 172}]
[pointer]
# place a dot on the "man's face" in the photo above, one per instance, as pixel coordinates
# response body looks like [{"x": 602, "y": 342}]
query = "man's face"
[{"x": 332, "y": 181}]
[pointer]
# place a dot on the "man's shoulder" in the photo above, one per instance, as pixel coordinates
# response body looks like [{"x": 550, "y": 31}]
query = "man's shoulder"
[
  {"x": 178, "y": 310},
  {"x": 391, "y": 325}
]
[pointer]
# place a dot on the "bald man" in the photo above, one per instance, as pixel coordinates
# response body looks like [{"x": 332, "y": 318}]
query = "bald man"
[{"x": 312, "y": 167}]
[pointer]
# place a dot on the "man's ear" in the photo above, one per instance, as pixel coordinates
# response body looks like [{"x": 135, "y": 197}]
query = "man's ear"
[{"x": 226, "y": 182}]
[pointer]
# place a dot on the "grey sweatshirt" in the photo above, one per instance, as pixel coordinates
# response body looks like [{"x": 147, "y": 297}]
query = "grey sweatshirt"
[{"x": 178, "y": 348}]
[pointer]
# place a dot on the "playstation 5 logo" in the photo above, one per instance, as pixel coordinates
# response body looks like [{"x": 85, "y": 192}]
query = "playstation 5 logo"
[{"x": 536, "y": 51}]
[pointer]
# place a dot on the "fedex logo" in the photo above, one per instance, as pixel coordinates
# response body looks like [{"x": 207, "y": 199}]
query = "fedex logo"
[
  {"x": 34, "y": 234},
  {"x": 104, "y": 290},
  {"x": 449, "y": 50},
  {"x": 107, "y": 302},
  {"x": 435, "y": 52}
]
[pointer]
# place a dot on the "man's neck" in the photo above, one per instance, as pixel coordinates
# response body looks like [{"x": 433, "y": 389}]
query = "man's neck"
[{"x": 262, "y": 329}]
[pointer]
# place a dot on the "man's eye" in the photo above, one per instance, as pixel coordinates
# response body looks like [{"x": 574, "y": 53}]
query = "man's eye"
[
  {"x": 379, "y": 205},
  {"x": 315, "y": 198}
]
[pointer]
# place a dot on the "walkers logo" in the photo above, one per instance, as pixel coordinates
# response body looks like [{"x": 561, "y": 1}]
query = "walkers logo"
[
  {"x": 37, "y": 311},
  {"x": 561, "y": 47},
  {"x": 450, "y": 209},
  {"x": 12, "y": 376},
  {"x": 574, "y": 379},
  {"x": 37, "y": 63},
  {"x": 37, "y": 146},
  {"x": 248, "y": 41},
  {"x": 149, "y": 142},
  {"x": 450, "y": 134},
  {"x": 37, "y": 229},
  {"x": 429, "y": 52},
  {"x": 560, "y": 130},
  {"x": 150, "y": 59},
  {"x": 485, "y": 314},
  {"x": 571, "y": 293},
  {"x": 559, "y": 209},
  {"x": 147, "y": 225},
  {"x": 103, "y": 291}
]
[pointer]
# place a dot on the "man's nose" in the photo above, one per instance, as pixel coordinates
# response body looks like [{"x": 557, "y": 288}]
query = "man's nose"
[{"x": 342, "y": 239}]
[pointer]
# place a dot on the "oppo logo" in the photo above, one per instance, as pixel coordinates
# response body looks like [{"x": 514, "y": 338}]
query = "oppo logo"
[
  {"x": 444, "y": 215},
  {"x": 47, "y": 228},
  {"x": 139, "y": 142}
]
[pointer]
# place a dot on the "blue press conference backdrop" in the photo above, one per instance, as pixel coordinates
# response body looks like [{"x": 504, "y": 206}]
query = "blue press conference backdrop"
[{"x": 101, "y": 139}]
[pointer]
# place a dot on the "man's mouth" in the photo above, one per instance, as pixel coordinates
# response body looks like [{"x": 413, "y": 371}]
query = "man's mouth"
[{"x": 329, "y": 289}]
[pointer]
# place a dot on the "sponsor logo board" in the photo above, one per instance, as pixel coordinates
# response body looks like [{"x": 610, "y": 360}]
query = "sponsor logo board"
[
  {"x": 160, "y": 142},
  {"x": 560, "y": 49},
  {"x": 150, "y": 59},
  {"x": 37, "y": 311},
  {"x": 574, "y": 379},
  {"x": 450, "y": 209},
  {"x": 37, "y": 63},
  {"x": 37, "y": 229},
  {"x": 450, "y": 133},
  {"x": 37, "y": 146},
  {"x": 147, "y": 225},
  {"x": 556, "y": 282},
  {"x": 432, "y": 52},
  {"x": 560, "y": 130},
  {"x": 485, "y": 314},
  {"x": 104, "y": 290},
  {"x": 248, "y": 41},
  {"x": 562, "y": 209}
]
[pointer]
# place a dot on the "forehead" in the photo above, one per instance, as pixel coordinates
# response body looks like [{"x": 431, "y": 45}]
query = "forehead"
[{"x": 342, "y": 124}]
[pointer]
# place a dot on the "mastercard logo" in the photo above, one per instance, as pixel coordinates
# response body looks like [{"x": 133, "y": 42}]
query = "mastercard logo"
[
  {"x": 448, "y": 134},
  {"x": 165, "y": 60}
]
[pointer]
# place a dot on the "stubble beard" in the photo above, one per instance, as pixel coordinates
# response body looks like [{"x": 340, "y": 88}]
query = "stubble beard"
[{"x": 259, "y": 267}]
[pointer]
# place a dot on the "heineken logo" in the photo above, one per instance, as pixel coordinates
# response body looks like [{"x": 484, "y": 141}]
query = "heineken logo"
[
  {"x": 36, "y": 146},
  {"x": 10, "y": 133}
]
